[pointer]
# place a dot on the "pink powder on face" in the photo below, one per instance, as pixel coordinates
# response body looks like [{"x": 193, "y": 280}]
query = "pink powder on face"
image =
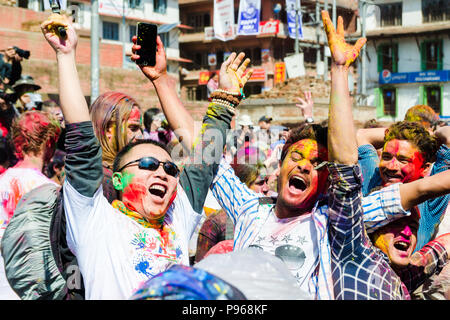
[{"x": 135, "y": 115}]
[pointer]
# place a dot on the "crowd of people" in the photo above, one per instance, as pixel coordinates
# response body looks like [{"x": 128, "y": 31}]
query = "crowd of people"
[{"x": 116, "y": 201}]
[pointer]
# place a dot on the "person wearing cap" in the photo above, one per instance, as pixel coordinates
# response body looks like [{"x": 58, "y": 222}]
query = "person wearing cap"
[
  {"x": 264, "y": 122},
  {"x": 28, "y": 99},
  {"x": 242, "y": 137}
]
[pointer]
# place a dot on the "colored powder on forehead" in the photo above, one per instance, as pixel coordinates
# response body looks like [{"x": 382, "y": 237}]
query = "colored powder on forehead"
[
  {"x": 135, "y": 114},
  {"x": 306, "y": 147}
]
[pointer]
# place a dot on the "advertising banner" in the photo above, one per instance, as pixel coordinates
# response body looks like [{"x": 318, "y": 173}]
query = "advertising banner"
[
  {"x": 280, "y": 72},
  {"x": 386, "y": 77},
  {"x": 224, "y": 20},
  {"x": 269, "y": 27},
  {"x": 203, "y": 77},
  {"x": 249, "y": 12},
  {"x": 290, "y": 8},
  {"x": 259, "y": 75}
]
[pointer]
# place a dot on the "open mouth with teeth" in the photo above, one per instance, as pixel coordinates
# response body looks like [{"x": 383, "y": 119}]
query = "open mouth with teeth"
[
  {"x": 401, "y": 245},
  {"x": 297, "y": 183},
  {"x": 392, "y": 177},
  {"x": 158, "y": 190}
]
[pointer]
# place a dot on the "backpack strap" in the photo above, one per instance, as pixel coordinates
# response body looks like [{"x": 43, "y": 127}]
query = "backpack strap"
[{"x": 64, "y": 258}]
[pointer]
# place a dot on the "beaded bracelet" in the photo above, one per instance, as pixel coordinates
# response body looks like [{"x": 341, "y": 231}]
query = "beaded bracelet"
[
  {"x": 226, "y": 104},
  {"x": 239, "y": 95},
  {"x": 224, "y": 96}
]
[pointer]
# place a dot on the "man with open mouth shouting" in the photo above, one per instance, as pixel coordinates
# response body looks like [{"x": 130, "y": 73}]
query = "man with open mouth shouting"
[{"x": 120, "y": 245}]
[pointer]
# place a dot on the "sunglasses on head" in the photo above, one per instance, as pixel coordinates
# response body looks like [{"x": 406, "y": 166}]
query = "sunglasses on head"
[{"x": 152, "y": 164}]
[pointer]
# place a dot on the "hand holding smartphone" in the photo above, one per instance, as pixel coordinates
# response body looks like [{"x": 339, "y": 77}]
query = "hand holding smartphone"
[{"x": 146, "y": 38}]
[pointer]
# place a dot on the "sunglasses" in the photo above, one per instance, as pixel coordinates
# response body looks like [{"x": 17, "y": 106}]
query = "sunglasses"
[{"x": 152, "y": 164}]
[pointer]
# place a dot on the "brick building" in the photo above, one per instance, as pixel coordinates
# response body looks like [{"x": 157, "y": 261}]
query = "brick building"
[
  {"x": 408, "y": 61},
  {"x": 271, "y": 46},
  {"x": 19, "y": 27}
]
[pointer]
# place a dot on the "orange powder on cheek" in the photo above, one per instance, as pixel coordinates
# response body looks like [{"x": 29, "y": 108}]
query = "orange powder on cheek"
[{"x": 381, "y": 242}]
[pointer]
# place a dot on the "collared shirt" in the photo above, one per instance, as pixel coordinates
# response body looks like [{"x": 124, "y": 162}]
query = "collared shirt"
[
  {"x": 431, "y": 211},
  {"x": 249, "y": 213},
  {"x": 360, "y": 271}
]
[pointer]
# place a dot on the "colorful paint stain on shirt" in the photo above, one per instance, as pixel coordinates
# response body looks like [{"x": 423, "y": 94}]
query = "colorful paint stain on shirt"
[{"x": 155, "y": 250}]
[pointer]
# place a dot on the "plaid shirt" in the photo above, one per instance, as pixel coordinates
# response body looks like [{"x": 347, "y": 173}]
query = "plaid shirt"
[
  {"x": 359, "y": 270},
  {"x": 249, "y": 212}
]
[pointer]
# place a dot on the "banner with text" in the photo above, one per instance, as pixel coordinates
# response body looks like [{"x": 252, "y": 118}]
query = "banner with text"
[
  {"x": 224, "y": 20},
  {"x": 290, "y": 8},
  {"x": 249, "y": 12}
]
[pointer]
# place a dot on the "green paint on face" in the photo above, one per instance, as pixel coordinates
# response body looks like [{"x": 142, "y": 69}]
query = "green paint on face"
[
  {"x": 121, "y": 180},
  {"x": 126, "y": 179}
]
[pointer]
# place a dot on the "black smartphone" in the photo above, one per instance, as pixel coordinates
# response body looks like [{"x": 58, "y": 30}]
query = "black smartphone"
[{"x": 146, "y": 38}]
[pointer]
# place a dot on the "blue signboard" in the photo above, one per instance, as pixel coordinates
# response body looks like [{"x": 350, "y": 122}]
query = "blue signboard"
[
  {"x": 249, "y": 11},
  {"x": 386, "y": 77},
  {"x": 290, "y": 8}
]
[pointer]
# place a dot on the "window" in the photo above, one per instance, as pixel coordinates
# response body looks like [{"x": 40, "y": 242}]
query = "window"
[
  {"x": 110, "y": 30},
  {"x": 435, "y": 10},
  {"x": 390, "y": 14},
  {"x": 133, "y": 4},
  {"x": 76, "y": 11},
  {"x": 132, "y": 31},
  {"x": 389, "y": 102},
  {"x": 160, "y": 6},
  {"x": 201, "y": 59},
  {"x": 165, "y": 38},
  {"x": 431, "y": 55},
  {"x": 22, "y": 4},
  {"x": 387, "y": 57},
  {"x": 434, "y": 98},
  {"x": 199, "y": 21}
]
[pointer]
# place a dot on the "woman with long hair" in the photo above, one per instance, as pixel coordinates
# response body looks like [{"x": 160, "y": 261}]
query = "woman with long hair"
[{"x": 116, "y": 119}]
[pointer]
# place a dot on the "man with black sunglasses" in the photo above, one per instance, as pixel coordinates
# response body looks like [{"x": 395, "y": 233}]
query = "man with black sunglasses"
[{"x": 146, "y": 230}]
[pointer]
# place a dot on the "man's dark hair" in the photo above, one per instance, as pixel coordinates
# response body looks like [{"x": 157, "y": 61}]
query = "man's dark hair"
[
  {"x": 131, "y": 145},
  {"x": 307, "y": 131},
  {"x": 416, "y": 134}
]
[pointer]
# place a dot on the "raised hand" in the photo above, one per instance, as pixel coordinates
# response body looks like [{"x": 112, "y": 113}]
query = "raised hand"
[
  {"x": 232, "y": 75},
  {"x": 61, "y": 45},
  {"x": 342, "y": 53},
  {"x": 306, "y": 105},
  {"x": 160, "y": 68}
]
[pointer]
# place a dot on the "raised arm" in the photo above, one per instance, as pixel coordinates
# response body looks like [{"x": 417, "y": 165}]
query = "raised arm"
[
  {"x": 208, "y": 146},
  {"x": 180, "y": 120},
  {"x": 83, "y": 163},
  {"x": 73, "y": 103},
  {"x": 443, "y": 135},
  {"x": 373, "y": 136},
  {"x": 342, "y": 146},
  {"x": 430, "y": 187}
]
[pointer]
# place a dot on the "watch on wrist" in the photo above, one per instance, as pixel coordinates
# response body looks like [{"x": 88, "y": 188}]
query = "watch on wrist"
[{"x": 309, "y": 120}]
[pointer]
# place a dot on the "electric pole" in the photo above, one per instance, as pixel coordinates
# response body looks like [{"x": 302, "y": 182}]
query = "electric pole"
[{"x": 94, "y": 51}]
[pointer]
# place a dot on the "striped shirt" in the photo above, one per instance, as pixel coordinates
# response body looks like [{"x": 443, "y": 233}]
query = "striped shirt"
[{"x": 249, "y": 214}]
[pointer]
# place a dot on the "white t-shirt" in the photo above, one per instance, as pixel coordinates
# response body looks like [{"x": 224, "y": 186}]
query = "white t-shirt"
[
  {"x": 293, "y": 241},
  {"x": 14, "y": 183},
  {"x": 115, "y": 253}
]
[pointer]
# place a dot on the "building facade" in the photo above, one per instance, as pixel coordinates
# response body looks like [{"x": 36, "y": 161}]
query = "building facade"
[
  {"x": 20, "y": 27},
  {"x": 408, "y": 56},
  {"x": 266, "y": 50}
]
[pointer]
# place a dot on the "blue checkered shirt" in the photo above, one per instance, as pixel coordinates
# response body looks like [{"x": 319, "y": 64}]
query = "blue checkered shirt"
[{"x": 360, "y": 271}]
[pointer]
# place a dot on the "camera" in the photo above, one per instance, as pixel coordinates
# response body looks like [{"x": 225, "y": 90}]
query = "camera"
[
  {"x": 8, "y": 97},
  {"x": 22, "y": 53}
]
